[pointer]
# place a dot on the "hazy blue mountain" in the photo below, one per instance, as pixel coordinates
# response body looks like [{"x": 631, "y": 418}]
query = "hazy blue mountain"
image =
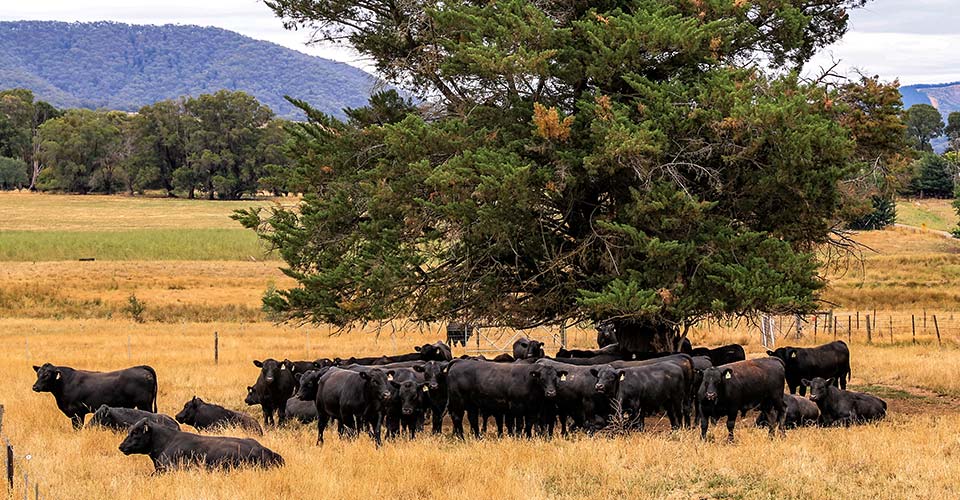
[
  {"x": 122, "y": 66},
  {"x": 944, "y": 96}
]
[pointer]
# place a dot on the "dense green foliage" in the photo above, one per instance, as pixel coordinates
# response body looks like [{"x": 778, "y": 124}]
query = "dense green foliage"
[
  {"x": 620, "y": 160},
  {"x": 924, "y": 123},
  {"x": 933, "y": 178},
  {"x": 884, "y": 214},
  {"x": 123, "y": 67},
  {"x": 952, "y": 131},
  {"x": 13, "y": 173},
  {"x": 222, "y": 145}
]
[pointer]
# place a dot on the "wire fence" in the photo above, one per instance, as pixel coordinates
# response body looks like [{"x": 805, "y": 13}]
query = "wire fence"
[{"x": 17, "y": 466}]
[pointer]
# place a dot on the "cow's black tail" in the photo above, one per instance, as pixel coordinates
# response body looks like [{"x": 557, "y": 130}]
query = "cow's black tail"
[{"x": 156, "y": 385}]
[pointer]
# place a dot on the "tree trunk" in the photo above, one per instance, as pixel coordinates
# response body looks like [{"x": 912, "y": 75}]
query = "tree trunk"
[{"x": 636, "y": 337}]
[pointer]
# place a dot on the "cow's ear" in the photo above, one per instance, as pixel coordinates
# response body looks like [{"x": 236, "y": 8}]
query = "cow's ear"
[
  {"x": 418, "y": 368},
  {"x": 633, "y": 356},
  {"x": 146, "y": 428},
  {"x": 258, "y": 363},
  {"x": 297, "y": 376},
  {"x": 249, "y": 388},
  {"x": 446, "y": 368},
  {"x": 805, "y": 382},
  {"x": 594, "y": 372},
  {"x": 364, "y": 375},
  {"x": 832, "y": 381},
  {"x": 535, "y": 373},
  {"x": 417, "y": 348},
  {"x": 623, "y": 375},
  {"x": 390, "y": 375},
  {"x": 771, "y": 353},
  {"x": 36, "y": 368},
  {"x": 424, "y": 387},
  {"x": 727, "y": 374},
  {"x": 793, "y": 353}
]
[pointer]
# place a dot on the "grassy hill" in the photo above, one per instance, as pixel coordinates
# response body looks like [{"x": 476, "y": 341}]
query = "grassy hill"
[{"x": 124, "y": 67}]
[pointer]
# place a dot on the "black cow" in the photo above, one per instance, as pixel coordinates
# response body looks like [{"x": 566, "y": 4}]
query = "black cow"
[
  {"x": 303, "y": 411},
  {"x": 437, "y": 351},
  {"x": 274, "y": 386},
  {"x": 435, "y": 376},
  {"x": 800, "y": 412},
  {"x": 606, "y": 334},
  {"x": 79, "y": 392},
  {"x": 727, "y": 389},
  {"x": 644, "y": 390},
  {"x": 588, "y": 353},
  {"x": 842, "y": 407},
  {"x": 577, "y": 398},
  {"x": 828, "y": 361},
  {"x": 202, "y": 416},
  {"x": 121, "y": 419},
  {"x": 411, "y": 402},
  {"x": 353, "y": 398},
  {"x": 528, "y": 349},
  {"x": 595, "y": 360},
  {"x": 721, "y": 355},
  {"x": 689, "y": 366},
  {"x": 514, "y": 390},
  {"x": 302, "y": 367},
  {"x": 169, "y": 449}
]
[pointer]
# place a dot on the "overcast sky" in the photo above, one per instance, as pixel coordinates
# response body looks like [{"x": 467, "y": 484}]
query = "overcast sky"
[{"x": 917, "y": 41}]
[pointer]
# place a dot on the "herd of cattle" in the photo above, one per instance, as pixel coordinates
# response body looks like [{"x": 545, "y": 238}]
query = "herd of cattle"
[{"x": 527, "y": 392}]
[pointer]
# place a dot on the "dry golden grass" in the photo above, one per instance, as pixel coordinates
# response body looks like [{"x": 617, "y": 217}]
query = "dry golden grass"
[{"x": 911, "y": 455}]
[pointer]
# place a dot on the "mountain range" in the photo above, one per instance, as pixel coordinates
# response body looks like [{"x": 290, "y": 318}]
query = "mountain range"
[
  {"x": 122, "y": 66},
  {"x": 945, "y": 96}
]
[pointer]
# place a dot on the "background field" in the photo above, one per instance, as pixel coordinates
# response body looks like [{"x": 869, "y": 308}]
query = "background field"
[
  {"x": 71, "y": 313},
  {"x": 931, "y": 213}
]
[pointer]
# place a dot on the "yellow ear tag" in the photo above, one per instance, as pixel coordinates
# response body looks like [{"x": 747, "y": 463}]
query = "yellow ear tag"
[
  {"x": 426, "y": 389},
  {"x": 793, "y": 354},
  {"x": 389, "y": 377},
  {"x": 563, "y": 377},
  {"x": 622, "y": 376},
  {"x": 728, "y": 376}
]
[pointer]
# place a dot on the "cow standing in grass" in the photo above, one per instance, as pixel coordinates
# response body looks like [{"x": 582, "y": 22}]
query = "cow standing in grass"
[{"x": 79, "y": 392}]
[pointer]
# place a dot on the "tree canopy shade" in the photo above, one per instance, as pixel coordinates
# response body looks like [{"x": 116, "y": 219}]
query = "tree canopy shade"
[{"x": 626, "y": 161}]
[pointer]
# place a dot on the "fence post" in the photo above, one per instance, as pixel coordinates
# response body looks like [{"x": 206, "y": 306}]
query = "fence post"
[
  {"x": 815, "y": 316},
  {"x": 1, "y": 420},
  {"x": 924, "y": 321},
  {"x": 874, "y": 318},
  {"x": 869, "y": 332},
  {"x": 891, "y": 328},
  {"x": 216, "y": 348},
  {"x": 849, "y": 331},
  {"x": 9, "y": 465},
  {"x": 913, "y": 325},
  {"x": 834, "y": 328},
  {"x": 858, "y": 320},
  {"x": 937, "y": 326}
]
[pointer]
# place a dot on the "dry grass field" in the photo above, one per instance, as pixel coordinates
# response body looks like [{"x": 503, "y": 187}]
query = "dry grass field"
[
  {"x": 929, "y": 213},
  {"x": 71, "y": 313}
]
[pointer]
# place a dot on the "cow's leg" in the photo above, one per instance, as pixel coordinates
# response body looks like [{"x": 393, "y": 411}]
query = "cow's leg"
[
  {"x": 456, "y": 418},
  {"x": 321, "y": 425},
  {"x": 793, "y": 388},
  {"x": 803, "y": 390},
  {"x": 528, "y": 426},
  {"x": 473, "y": 415},
  {"x": 282, "y": 412},
  {"x": 842, "y": 380},
  {"x": 704, "y": 423},
  {"x": 499, "y": 421},
  {"x": 437, "y": 419},
  {"x": 731, "y": 423},
  {"x": 376, "y": 431}
]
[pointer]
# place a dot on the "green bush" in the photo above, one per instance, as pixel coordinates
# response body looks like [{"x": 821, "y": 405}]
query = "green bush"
[{"x": 884, "y": 214}]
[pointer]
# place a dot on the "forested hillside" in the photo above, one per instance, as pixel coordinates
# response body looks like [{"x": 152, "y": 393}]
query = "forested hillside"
[{"x": 124, "y": 67}]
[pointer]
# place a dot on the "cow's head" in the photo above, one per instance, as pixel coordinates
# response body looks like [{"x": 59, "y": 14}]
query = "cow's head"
[
  {"x": 49, "y": 378},
  {"x": 819, "y": 388},
  {"x": 188, "y": 415},
  {"x": 323, "y": 362},
  {"x": 434, "y": 373},
  {"x": 547, "y": 377},
  {"x": 410, "y": 395},
  {"x": 270, "y": 369},
  {"x": 377, "y": 383},
  {"x": 606, "y": 334},
  {"x": 714, "y": 379},
  {"x": 786, "y": 354},
  {"x": 102, "y": 417},
  {"x": 139, "y": 439},
  {"x": 253, "y": 396},
  {"x": 528, "y": 349},
  {"x": 608, "y": 379},
  {"x": 309, "y": 382}
]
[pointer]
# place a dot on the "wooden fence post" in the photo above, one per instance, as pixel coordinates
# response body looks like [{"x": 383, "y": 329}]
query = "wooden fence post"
[
  {"x": 874, "y": 318},
  {"x": 913, "y": 324},
  {"x": 9, "y": 465},
  {"x": 924, "y": 321},
  {"x": 849, "y": 330},
  {"x": 815, "y": 316},
  {"x": 1, "y": 420},
  {"x": 834, "y": 328},
  {"x": 858, "y": 320},
  {"x": 216, "y": 348},
  {"x": 891, "y": 328},
  {"x": 937, "y": 326},
  {"x": 869, "y": 333}
]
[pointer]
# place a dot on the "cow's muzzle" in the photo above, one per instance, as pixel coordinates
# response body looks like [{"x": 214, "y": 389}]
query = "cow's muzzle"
[
  {"x": 711, "y": 396},
  {"x": 600, "y": 387},
  {"x": 408, "y": 411},
  {"x": 434, "y": 387},
  {"x": 551, "y": 394}
]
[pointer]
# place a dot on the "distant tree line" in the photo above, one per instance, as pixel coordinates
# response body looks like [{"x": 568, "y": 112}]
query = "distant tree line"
[
  {"x": 932, "y": 175},
  {"x": 223, "y": 145}
]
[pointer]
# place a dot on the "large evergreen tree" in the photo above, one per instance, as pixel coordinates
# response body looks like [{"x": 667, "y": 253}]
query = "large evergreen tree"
[
  {"x": 647, "y": 162},
  {"x": 924, "y": 123}
]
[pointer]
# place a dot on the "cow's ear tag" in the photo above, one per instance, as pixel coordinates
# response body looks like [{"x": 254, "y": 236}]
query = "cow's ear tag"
[
  {"x": 633, "y": 356},
  {"x": 622, "y": 376},
  {"x": 283, "y": 367},
  {"x": 728, "y": 376},
  {"x": 793, "y": 354},
  {"x": 57, "y": 377},
  {"x": 426, "y": 389},
  {"x": 563, "y": 377},
  {"x": 389, "y": 377}
]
